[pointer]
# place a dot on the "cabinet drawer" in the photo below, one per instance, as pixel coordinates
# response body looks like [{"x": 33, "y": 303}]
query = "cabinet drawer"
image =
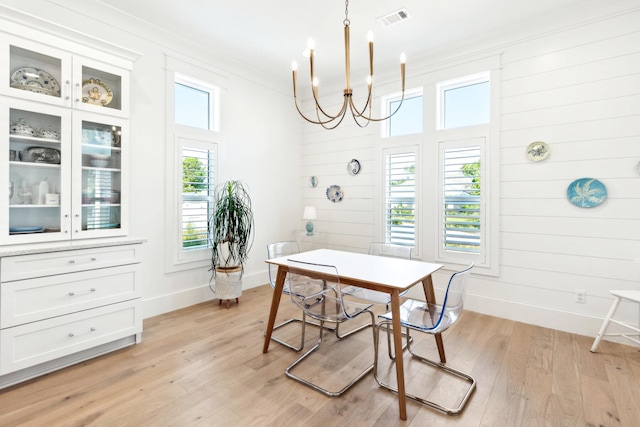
[
  {"x": 34, "y": 343},
  {"x": 25, "y": 301},
  {"x": 48, "y": 264}
]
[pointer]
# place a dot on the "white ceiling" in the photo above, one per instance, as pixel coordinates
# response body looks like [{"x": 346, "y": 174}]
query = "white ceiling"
[{"x": 268, "y": 35}]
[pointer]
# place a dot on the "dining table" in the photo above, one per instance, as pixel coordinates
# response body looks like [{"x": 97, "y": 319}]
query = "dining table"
[{"x": 379, "y": 273}]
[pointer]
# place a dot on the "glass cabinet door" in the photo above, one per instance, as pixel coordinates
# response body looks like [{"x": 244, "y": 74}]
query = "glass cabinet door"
[
  {"x": 35, "y": 72},
  {"x": 98, "y": 172},
  {"x": 100, "y": 87},
  {"x": 36, "y": 149}
]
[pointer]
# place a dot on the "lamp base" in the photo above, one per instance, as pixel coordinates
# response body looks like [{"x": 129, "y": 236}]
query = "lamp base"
[{"x": 309, "y": 228}]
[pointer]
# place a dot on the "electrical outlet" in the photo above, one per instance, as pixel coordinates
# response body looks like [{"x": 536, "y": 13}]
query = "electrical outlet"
[{"x": 581, "y": 296}]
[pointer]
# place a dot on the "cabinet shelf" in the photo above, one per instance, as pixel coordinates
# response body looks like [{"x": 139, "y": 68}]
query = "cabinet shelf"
[
  {"x": 35, "y": 165},
  {"x": 24, "y": 206},
  {"x": 36, "y": 140}
]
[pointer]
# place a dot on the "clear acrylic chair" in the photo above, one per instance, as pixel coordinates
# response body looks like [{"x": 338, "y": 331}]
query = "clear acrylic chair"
[
  {"x": 276, "y": 250},
  {"x": 376, "y": 297},
  {"x": 319, "y": 295},
  {"x": 431, "y": 319},
  {"x": 619, "y": 296}
]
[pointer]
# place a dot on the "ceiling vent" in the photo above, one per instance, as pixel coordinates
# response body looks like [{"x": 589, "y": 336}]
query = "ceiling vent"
[{"x": 394, "y": 17}]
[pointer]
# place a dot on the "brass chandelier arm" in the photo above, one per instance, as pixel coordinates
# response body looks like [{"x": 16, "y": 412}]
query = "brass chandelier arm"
[{"x": 320, "y": 121}]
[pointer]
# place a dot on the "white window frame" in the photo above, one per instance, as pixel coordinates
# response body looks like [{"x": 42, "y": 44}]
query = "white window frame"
[
  {"x": 386, "y": 109},
  {"x": 400, "y": 149},
  {"x": 214, "y": 98},
  {"x": 453, "y": 255},
  {"x": 456, "y": 83},
  {"x": 179, "y": 136},
  {"x": 488, "y": 262}
]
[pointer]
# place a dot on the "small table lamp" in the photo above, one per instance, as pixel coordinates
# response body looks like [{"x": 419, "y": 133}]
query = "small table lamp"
[{"x": 309, "y": 214}]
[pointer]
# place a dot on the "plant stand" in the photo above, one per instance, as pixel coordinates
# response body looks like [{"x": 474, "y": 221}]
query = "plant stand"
[{"x": 228, "y": 284}]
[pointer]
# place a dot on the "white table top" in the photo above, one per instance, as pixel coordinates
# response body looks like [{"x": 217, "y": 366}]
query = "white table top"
[{"x": 362, "y": 269}]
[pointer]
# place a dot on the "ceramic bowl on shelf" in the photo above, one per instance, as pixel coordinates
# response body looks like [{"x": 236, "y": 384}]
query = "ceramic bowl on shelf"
[
  {"x": 21, "y": 127},
  {"x": 49, "y": 133},
  {"x": 99, "y": 160}
]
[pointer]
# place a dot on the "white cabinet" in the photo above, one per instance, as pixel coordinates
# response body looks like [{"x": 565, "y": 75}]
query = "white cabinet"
[
  {"x": 59, "y": 304},
  {"x": 64, "y": 134},
  {"x": 35, "y": 71}
]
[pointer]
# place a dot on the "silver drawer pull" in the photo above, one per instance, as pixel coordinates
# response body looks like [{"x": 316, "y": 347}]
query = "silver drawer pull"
[
  {"x": 73, "y": 334},
  {"x": 73, "y": 261},
  {"x": 72, "y": 293}
]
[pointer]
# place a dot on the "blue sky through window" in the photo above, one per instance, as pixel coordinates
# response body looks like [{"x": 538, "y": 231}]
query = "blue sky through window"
[{"x": 191, "y": 106}]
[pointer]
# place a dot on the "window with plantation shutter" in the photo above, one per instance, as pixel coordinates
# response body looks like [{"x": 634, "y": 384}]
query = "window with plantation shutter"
[
  {"x": 193, "y": 138},
  {"x": 462, "y": 216},
  {"x": 198, "y": 183},
  {"x": 400, "y": 197}
]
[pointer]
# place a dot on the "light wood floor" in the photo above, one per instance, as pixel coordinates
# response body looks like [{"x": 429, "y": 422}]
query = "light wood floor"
[{"x": 204, "y": 366}]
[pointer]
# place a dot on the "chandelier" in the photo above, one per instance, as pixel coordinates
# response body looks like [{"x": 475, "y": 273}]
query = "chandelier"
[{"x": 362, "y": 117}]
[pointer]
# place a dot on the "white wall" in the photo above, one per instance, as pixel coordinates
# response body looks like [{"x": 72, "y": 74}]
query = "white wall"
[
  {"x": 260, "y": 144},
  {"x": 572, "y": 81}
]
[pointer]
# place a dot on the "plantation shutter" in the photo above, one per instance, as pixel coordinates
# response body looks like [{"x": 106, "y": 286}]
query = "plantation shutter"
[
  {"x": 400, "y": 198},
  {"x": 461, "y": 201},
  {"x": 198, "y": 183}
]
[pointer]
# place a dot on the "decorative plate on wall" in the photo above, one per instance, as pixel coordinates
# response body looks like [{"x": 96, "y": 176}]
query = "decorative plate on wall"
[
  {"x": 353, "y": 167},
  {"x": 335, "y": 193},
  {"x": 586, "y": 192},
  {"x": 537, "y": 151}
]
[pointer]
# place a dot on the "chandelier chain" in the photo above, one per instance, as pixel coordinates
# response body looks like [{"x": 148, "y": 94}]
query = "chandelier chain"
[{"x": 346, "y": 21}]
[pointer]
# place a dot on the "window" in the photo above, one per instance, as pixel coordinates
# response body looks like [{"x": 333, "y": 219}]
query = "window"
[
  {"x": 400, "y": 197},
  {"x": 461, "y": 207},
  {"x": 195, "y": 103},
  {"x": 198, "y": 183},
  {"x": 467, "y": 172},
  {"x": 192, "y": 155},
  {"x": 409, "y": 118},
  {"x": 464, "y": 102}
]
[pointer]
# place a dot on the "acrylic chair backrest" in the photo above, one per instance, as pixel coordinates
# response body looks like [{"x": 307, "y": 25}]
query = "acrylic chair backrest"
[
  {"x": 315, "y": 288},
  {"x": 453, "y": 300},
  {"x": 390, "y": 250},
  {"x": 276, "y": 250}
]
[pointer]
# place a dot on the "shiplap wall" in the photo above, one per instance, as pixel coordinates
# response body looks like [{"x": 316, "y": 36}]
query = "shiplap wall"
[{"x": 578, "y": 89}]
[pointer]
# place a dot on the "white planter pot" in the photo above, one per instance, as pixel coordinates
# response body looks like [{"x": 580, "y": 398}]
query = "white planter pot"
[{"x": 228, "y": 283}]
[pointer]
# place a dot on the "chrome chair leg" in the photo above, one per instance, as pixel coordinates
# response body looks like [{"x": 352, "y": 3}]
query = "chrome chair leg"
[
  {"x": 447, "y": 410},
  {"x": 288, "y": 372}
]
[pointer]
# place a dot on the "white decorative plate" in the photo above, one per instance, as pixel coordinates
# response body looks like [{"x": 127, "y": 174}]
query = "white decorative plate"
[
  {"x": 353, "y": 167},
  {"x": 335, "y": 193},
  {"x": 537, "y": 151},
  {"x": 35, "y": 80},
  {"x": 96, "y": 92}
]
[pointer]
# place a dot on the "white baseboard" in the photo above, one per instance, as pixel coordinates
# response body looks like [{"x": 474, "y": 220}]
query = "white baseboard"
[
  {"x": 186, "y": 297},
  {"x": 566, "y": 321}
]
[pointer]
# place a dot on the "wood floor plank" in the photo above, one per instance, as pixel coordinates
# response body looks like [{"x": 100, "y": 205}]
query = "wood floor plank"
[{"x": 204, "y": 366}]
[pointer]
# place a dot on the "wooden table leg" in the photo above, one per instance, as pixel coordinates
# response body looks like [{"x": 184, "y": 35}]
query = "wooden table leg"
[
  {"x": 275, "y": 302},
  {"x": 427, "y": 284},
  {"x": 397, "y": 343}
]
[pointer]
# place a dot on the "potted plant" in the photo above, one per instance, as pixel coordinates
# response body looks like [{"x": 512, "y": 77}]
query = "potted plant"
[{"x": 232, "y": 236}]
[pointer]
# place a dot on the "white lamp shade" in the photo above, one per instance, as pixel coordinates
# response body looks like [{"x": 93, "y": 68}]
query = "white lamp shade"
[{"x": 309, "y": 212}]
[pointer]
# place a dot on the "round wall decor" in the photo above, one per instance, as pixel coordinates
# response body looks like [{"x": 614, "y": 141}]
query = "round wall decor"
[
  {"x": 537, "y": 151},
  {"x": 586, "y": 192},
  {"x": 335, "y": 193}
]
